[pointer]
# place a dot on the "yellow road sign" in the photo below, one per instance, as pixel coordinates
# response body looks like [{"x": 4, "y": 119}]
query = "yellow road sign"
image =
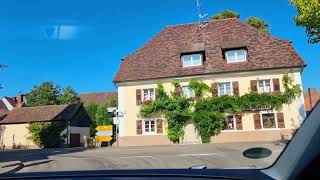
[
  {"x": 103, "y": 138},
  {"x": 104, "y": 128}
]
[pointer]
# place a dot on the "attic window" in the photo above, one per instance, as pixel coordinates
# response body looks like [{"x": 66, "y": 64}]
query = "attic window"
[
  {"x": 190, "y": 60},
  {"x": 234, "y": 56}
]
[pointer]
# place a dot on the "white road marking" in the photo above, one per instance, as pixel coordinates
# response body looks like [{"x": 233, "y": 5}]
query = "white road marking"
[
  {"x": 136, "y": 157},
  {"x": 203, "y": 154}
]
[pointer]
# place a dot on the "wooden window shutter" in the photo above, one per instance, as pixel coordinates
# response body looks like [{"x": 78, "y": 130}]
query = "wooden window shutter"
[
  {"x": 156, "y": 91},
  {"x": 214, "y": 89},
  {"x": 238, "y": 122},
  {"x": 139, "y": 126},
  {"x": 138, "y": 97},
  {"x": 253, "y": 85},
  {"x": 280, "y": 119},
  {"x": 276, "y": 85},
  {"x": 235, "y": 86},
  {"x": 257, "y": 121},
  {"x": 159, "y": 126},
  {"x": 178, "y": 91}
]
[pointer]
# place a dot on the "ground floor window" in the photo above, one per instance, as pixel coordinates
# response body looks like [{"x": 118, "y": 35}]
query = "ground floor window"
[
  {"x": 149, "y": 126},
  {"x": 268, "y": 120},
  {"x": 230, "y": 123}
]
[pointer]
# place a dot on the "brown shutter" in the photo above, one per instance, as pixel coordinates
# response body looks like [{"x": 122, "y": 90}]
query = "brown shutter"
[
  {"x": 280, "y": 119},
  {"x": 253, "y": 85},
  {"x": 276, "y": 85},
  {"x": 235, "y": 86},
  {"x": 159, "y": 126},
  {"x": 139, "y": 126},
  {"x": 214, "y": 89},
  {"x": 138, "y": 97},
  {"x": 239, "y": 122},
  {"x": 257, "y": 121},
  {"x": 178, "y": 91},
  {"x": 156, "y": 93}
]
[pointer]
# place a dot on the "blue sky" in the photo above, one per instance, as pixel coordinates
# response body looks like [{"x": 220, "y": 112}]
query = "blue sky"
[{"x": 81, "y": 43}]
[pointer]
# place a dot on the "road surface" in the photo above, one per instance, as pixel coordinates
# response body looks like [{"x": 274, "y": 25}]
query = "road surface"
[{"x": 153, "y": 157}]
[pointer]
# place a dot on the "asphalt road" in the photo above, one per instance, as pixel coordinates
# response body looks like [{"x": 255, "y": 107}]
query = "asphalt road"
[{"x": 152, "y": 157}]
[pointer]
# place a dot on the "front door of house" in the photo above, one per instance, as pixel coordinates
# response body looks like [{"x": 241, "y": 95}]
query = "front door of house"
[{"x": 191, "y": 135}]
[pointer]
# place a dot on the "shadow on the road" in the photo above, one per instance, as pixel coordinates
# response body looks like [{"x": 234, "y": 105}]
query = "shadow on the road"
[{"x": 34, "y": 154}]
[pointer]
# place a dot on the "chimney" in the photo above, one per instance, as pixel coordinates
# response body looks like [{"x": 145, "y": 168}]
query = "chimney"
[{"x": 20, "y": 100}]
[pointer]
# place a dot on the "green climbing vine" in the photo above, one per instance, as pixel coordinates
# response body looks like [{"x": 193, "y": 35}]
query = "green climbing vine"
[{"x": 208, "y": 113}]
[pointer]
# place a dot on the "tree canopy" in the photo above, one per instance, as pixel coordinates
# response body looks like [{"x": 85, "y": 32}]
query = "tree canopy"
[
  {"x": 49, "y": 94},
  {"x": 253, "y": 21},
  {"x": 225, "y": 14},
  {"x": 258, "y": 23},
  {"x": 309, "y": 17}
]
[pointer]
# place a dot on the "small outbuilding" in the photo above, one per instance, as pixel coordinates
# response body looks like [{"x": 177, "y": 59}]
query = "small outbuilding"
[{"x": 14, "y": 132}]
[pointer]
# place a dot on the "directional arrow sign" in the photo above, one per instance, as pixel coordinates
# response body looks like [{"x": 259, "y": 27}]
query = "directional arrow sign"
[
  {"x": 104, "y": 128},
  {"x": 104, "y": 133},
  {"x": 103, "y": 138}
]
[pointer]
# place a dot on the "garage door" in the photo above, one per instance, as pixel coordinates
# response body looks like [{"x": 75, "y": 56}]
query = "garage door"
[{"x": 74, "y": 140}]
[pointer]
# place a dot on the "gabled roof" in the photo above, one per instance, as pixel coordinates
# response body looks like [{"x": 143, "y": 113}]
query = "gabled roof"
[
  {"x": 40, "y": 114},
  {"x": 98, "y": 98},
  {"x": 160, "y": 57}
]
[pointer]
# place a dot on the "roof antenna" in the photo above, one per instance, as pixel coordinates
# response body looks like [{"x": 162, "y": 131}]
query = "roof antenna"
[{"x": 200, "y": 15}]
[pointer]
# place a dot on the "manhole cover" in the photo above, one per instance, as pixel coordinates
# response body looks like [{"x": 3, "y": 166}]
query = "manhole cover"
[{"x": 257, "y": 153}]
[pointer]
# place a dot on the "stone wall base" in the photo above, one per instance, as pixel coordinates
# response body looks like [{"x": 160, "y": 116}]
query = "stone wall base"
[{"x": 223, "y": 137}]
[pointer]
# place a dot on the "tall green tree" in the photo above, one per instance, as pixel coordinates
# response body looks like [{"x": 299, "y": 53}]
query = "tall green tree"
[
  {"x": 92, "y": 109},
  {"x": 258, "y": 23},
  {"x": 225, "y": 14},
  {"x": 44, "y": 94},
  {"x": 99, "y": 114},
  {"x": 48, "y": 93},
  {"x": 69, "y": 96},
  {"x": 309, "y": 17}
]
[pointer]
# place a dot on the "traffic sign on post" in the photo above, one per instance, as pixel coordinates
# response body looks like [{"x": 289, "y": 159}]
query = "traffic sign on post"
[{"x": 104, "y": 133}]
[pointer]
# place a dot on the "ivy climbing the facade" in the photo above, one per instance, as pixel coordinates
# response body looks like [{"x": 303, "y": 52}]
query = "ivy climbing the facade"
[{"x": 208, "y": 112}]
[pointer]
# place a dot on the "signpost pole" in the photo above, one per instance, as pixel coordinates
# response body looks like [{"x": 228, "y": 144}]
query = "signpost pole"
[{"x": 117, "y": 134}]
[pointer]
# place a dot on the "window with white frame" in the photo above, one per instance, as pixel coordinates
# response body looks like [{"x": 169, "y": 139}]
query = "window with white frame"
[
  {"x": 188, "y": 92},
  {"x": 268, "y": 120},
  {"x": 225, "y": 88},
  {"x": 234, "y": 56},
  {"x": 189, "y": 60},
  {"x": 230, "y": 123},
  {"x": 149, "y": 126},
  {"x": 264, "y": 86},
  {"x": 148, "y": 95}
]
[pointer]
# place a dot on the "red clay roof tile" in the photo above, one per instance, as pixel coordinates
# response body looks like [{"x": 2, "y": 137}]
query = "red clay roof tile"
[{"x": 160, "y": 57}]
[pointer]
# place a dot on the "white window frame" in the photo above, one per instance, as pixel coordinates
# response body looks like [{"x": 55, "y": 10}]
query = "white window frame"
[
  {"x": 234, "y": 123},
  {"x": 236, "y": 56},
  {"x": 275, "y": 119},
  {"x": 191, "y": 57},
  {"x": 144, "y": 127},
  {"x": 271, "y": 85},
  {"x": 149, "y": 95},
  {"x": 189, "y": 89},
  {"x": 231, "y": 87}
]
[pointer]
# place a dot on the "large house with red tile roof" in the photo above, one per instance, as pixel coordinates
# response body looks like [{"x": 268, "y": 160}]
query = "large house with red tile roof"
[{"x": 228, "y": 55}]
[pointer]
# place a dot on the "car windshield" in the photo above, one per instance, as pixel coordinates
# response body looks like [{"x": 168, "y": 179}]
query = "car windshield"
[{"x": 101, "y": 85}]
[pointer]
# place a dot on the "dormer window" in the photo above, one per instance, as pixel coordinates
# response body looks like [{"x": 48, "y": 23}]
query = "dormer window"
[
  {"x": 189, "y": 60},
  {"x": 235, "y": 56}
]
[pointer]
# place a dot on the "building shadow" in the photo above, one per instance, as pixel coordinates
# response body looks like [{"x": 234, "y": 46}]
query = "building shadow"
[{"x": 34, "y": 154}]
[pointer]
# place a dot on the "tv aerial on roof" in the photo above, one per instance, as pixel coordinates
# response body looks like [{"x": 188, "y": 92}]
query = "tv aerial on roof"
[{"x": 200, "y": 15}]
